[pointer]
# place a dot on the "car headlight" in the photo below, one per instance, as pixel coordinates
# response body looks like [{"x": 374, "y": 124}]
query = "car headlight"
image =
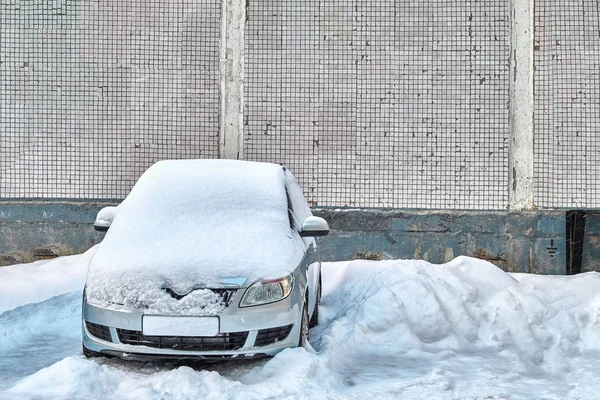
[{"x": 265, "y": 292}]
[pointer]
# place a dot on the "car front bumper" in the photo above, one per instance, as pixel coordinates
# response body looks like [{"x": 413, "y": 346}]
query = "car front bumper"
[{"x": 249, "y": 325}]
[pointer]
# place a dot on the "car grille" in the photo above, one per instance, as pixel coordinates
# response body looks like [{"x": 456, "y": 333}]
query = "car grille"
[
  {"x": 222, "y": 342},
  {"x": 227, "y": 295},
  {"x": 270, "y": 336},
  {"x": 100, "y": 331}
]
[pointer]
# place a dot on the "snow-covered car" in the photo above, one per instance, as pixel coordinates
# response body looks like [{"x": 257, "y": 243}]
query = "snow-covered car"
[{"x": 204, "y": 259}]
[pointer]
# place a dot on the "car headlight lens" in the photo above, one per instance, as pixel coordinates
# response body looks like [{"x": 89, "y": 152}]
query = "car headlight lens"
[{"x": 265, "y": 292}]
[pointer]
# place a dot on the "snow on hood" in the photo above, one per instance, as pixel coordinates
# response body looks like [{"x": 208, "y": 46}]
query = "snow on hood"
[{"x": 192, "y": 223}]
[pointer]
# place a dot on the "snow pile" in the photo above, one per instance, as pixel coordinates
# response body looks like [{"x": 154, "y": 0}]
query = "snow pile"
[
  {"x": 389, "y": 329},
  {"x": 293, "y": 374},
  {"x": 38, "y": 281},
  {"x": 193, "y": 222},
  {"x": 47, "y": 319},
  {"x": 389, "y": 308}
]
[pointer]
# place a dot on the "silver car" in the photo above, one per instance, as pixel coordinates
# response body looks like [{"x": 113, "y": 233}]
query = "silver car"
[{"x": 204, "y": 259}]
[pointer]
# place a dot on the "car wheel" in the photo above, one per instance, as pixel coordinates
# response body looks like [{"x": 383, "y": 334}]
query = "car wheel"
[
  {"x": 314, "y": 320},
  {"x": 304, "y": 329},
  {"x": 89, "y": 353}
]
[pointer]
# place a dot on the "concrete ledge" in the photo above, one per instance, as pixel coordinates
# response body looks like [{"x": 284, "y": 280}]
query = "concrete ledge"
[
  {"x": 515, "y": 241},
  {"x": 40, "y": 230}
]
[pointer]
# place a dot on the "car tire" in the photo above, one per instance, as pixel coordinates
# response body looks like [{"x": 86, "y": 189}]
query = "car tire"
[
  {"x": 314, "y": 320},
  {"x": 304, "y": 328},
  {"x": 89, "y": 353}
]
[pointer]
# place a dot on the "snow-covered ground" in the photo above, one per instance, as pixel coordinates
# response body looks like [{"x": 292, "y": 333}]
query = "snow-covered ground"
[{"x": 389, "y": 329}]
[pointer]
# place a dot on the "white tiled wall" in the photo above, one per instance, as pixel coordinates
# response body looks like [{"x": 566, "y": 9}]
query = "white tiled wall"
[
  {"x": 382, "y": 104},
  {"x": 371, "y": 103},
  {"x": 567, "y": 103},
  {"x": 92, "y": 93}
]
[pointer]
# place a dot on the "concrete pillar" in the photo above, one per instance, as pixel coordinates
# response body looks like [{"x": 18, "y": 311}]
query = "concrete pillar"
[
  {"x": 520, "y": 146},
  {"x": 231, "y": 125}
]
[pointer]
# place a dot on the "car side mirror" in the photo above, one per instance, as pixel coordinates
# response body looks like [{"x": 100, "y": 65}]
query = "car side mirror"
[
  {"x": 314, "y": 226},
  {"x": 104, "y": 219}
]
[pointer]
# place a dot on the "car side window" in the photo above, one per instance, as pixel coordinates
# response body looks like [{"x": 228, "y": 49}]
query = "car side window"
[
  {"x": 290, "y": 210},
  {"x": 300, "y": 208}
]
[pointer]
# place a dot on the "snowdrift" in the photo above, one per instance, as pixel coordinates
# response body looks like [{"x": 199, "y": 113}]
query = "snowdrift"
[
  {"x": 389, "y": 308},
  {"x": 389, "y": 329}
]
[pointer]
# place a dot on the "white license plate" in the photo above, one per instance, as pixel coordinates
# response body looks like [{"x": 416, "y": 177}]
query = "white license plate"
[{"x": 180, "y": 326}]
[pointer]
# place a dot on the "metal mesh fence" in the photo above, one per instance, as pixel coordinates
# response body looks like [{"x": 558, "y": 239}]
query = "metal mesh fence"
[
  {"x": 382, "y": 104},
  {"x": 94, "y": 92},
  {"x": 567, "y": 103}
]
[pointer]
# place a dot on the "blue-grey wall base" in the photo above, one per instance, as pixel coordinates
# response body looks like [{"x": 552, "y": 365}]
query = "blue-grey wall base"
[
  {"x": 34, "y": 231},
  {"x": 517, "y": 242}
]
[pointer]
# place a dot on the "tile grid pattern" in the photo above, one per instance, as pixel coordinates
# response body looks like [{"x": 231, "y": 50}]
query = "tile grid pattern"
[
  {"x": 391, "y": 104},
  {"x": 382, "y": 104},
  {"x": 92, "y": 93},
  {"x": 567, "y": 104}
]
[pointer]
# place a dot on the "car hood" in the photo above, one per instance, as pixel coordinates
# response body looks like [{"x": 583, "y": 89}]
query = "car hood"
[
  {"x": 143, "y": 282},
  {"x": 169, "y": 298}
]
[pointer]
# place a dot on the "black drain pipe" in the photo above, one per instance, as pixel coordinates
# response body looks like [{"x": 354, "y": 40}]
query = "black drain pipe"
[{"x": 575, "y": 234}]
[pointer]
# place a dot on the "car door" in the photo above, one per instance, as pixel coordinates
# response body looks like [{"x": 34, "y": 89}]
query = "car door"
[{"x": 298, "y": 211}]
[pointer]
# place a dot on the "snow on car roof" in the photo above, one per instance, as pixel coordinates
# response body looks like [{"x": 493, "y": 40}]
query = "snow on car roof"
[{"x": 194, "y": 222}]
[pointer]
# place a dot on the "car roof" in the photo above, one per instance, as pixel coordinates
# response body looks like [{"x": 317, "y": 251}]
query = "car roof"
[{"x": 230, "y": 176}]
